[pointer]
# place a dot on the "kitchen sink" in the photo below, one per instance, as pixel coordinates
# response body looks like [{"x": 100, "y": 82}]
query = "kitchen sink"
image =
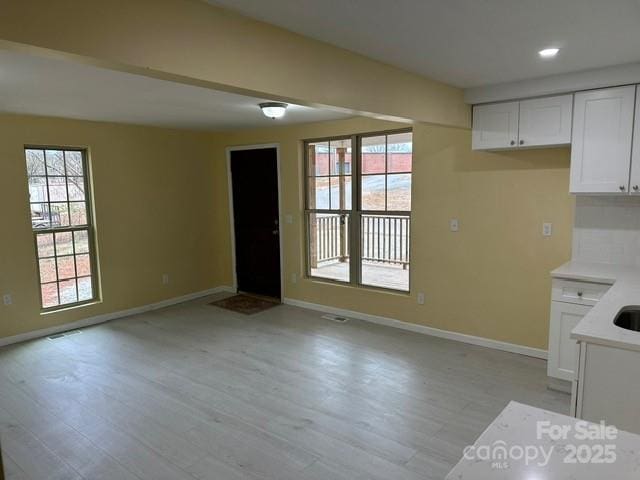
[{"x": 629, "y": 318}]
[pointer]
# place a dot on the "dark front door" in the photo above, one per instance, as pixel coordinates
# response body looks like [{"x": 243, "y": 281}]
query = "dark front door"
[{"x": 254, "y": 175}]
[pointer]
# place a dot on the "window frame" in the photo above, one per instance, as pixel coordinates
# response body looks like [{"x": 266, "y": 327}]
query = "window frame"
[
  {"x": 356, "y": 212},
  {"x": 89, "y": 228}
]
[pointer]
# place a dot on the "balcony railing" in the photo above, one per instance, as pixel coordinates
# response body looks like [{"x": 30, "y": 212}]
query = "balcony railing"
[
  {"x": 385, "y": 239},
  {"x": 332, "y": 239}
]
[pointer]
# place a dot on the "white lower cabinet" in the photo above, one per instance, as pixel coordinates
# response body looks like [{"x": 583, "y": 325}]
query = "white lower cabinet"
[
  {"x": 571, "y": 300},
  {"x": 608, "y": 387},
  {"x": 563, "y": 351}
]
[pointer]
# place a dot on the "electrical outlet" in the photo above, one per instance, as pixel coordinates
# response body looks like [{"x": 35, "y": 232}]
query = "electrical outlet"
[
  {"x": 7, "y": 299},
  {"x": 165, "y": 279},
  {"x": 454, "y": 226},
  {"x": 294, "y": 278},
  {"x": 547, "y": 229},
  {"x": 420, "y": 298}
]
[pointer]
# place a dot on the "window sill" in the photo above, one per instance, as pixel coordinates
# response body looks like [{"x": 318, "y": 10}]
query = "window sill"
[
  {"x": 74, "y": 306},
  {"x": 364, "y": 288}
]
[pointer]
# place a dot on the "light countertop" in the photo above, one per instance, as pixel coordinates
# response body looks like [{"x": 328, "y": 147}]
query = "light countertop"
[
  {"x": 517, "y": 429},
  {"x": 597, "y": 326}
]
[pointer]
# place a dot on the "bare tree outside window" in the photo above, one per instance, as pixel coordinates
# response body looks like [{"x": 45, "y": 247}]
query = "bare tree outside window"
[{"x": 61, "y": 221}]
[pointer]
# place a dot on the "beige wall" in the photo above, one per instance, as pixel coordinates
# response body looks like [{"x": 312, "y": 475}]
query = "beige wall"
[
  {"x": 491, "y": 279},
  {"x": 161, "y": 205},
  {"x": 154, "y": 201},
  {"x": 193, "y": 42}
]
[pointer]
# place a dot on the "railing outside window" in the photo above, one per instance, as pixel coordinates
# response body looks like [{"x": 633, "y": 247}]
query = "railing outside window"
[
  {"x": 358, "y": 209},
  {"x": 385, "y": 239},
  {"x": 331, "y": 239}
]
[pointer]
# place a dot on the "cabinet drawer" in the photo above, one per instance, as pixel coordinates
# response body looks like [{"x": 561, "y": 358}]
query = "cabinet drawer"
[{"x": 581, "y": 293}]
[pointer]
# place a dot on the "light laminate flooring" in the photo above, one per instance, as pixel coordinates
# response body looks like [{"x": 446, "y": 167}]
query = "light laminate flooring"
[{"x": 194, "y": 391}]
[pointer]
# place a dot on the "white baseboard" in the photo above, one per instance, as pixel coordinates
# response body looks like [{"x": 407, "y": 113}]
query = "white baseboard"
[
  {"x": 435, "y": 332},
  {"x": 560, "y": 385},
  {"x": 106, "y": 317},
  {"x": 390, "y": 322}
]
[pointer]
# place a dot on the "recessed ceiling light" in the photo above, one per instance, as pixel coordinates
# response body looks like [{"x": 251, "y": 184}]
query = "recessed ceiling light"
[
  {"x": 273, "y": 109},
  {"x": 548, "y": 52}
]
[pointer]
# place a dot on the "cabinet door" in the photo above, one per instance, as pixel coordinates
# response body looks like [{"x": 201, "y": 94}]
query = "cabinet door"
[
  {"x": 563, "y": 351},
  {"x": 545, "y": 121},
  {"x": 611, "y": 387},
  {"x": 495, "y": 126},
  {"x": 601, "y": 141},
  {"x": 635, "y": 158}
]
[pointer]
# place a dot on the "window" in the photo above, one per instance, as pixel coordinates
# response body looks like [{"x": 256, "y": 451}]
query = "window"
[
  {"x": 329, "y": 200},
  {"x": 377, "y": 231},
  {"x": 62, "y": 227}
]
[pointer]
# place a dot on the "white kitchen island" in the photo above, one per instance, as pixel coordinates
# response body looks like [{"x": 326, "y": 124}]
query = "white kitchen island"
[{"x": 548, "y": 442}]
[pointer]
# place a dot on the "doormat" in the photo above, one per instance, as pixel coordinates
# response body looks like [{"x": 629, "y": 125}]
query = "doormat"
[{"x": 246, "y": 304}]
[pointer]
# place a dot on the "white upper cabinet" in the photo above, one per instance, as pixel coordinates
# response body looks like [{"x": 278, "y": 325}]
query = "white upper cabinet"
[
  {"x": 635, "y": 156},
  {"x": 539, "y": 122},
  {"x": 598, "y": 124},
  {"x": 601, "y": 142},
  {"x": 495, "y": 126},
  {"x": 545, "y": 121}
]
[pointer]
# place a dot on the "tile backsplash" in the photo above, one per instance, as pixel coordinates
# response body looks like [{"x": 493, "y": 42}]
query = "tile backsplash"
[{"x": 607, "y": 229}]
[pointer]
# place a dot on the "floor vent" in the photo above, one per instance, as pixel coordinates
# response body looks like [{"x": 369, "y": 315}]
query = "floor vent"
[
  {"x": 64, "y": 334},
  {"x": 335, "y": 318}
]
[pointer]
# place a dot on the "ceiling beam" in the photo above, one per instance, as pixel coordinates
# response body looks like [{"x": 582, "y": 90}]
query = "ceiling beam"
[{"x": 192, "y": 42}]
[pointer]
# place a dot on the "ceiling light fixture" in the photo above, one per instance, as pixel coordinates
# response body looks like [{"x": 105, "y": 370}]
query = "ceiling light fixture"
[
  {"x": 273, "y": 109},
  {"x": 548, "y": 52}
]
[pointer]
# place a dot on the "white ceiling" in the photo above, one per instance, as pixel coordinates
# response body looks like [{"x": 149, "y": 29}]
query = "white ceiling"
[
  {"x": 466, "y": 42},
  {"x": 42, "y": 86}
]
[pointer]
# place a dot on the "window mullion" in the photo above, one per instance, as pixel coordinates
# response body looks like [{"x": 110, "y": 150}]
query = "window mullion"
[
  {"x": 355, "y": 220},
  {"x": 386, "y": 173},
  {"x": 55, "y": 258},
  {"x": 46, "y": 179},
  {"x": 73, "y": 240}
]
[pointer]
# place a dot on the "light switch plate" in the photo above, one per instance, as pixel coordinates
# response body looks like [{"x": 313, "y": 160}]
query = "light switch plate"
[
  {"x": 7, "y": 299},
  {"x": 288, "y": 218},
  {"x": 547, "y": 229},
  {"x": 165, "y": 279},
  {"x": 420, "y": 298},
  {"x": 454, "y": 226}
]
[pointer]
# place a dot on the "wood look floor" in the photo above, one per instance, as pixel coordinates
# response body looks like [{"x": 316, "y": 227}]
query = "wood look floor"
[{"x": 193, "y": 391}]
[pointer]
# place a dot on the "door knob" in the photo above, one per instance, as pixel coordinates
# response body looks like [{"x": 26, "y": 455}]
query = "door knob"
[
  {"x": 275, "y": 232},
  {"x": 513, "y": 142},
  {"x": 621, "y": 188},
  {"x": 635, "y": 188}
]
